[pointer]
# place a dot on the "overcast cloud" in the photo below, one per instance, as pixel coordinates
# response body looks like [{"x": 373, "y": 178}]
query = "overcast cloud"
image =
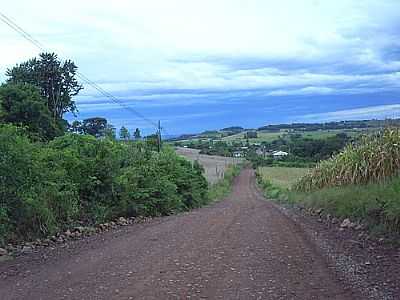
[{"x": 185, "y": 52}]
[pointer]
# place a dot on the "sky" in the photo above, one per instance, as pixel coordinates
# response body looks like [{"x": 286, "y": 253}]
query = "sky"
[{"x": 203, "y": 65}]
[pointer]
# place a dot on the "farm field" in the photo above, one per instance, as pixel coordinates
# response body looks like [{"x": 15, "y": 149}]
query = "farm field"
[
  {"x": 262, "y": 137},
  {"x": 214, "y": 166},
  {"x": 282, "y": 177},
  {"x": 268, "y": 136}
]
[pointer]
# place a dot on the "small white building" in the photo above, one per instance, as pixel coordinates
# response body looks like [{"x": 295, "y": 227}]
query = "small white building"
[
  {"x": 238, "y": 154},
  {"x": 279, "y": 154}
]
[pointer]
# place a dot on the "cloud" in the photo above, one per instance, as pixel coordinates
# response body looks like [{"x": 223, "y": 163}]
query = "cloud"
[
  {"x": 377, "y": 112},
  {"x": 310, "y": 90},
  {"x": 187, "y": 52}
]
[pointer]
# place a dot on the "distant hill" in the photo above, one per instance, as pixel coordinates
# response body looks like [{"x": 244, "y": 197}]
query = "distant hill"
[{"x": 233, "y": 131}]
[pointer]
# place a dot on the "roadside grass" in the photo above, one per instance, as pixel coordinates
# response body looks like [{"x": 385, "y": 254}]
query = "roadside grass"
[
  {"x": 282, "y": 177},
  {"x": 376, "y": 205},
  {"x": 277, "y": 182},
  {"x": 223, "y": 187}
]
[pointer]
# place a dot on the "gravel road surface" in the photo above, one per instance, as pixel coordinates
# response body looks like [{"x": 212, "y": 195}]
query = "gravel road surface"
[{"x": 239, "y": 248}]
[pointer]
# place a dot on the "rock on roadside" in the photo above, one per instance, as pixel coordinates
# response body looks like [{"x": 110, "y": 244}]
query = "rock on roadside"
[
  {"x": 346, "y": 223},
  {"x": 3, "y": 252}
]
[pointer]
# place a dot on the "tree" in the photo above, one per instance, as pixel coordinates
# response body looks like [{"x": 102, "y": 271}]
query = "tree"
[
  {"x": 76, "y": 127},
  {"x": 124, "y": 133},
  {"x": 110, "y": 132},
  {"x": 56, "y": 81},
  {"x": 250, "y": 135},
  {"x": 136, "y": 134},
  {"x": 22, "y": 105},
  {"x": 152, "y": 142},
  {"x": 94, "y": 126}
]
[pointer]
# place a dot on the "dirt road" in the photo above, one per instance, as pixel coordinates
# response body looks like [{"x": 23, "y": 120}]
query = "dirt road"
[{"x": 239, "y": 248}]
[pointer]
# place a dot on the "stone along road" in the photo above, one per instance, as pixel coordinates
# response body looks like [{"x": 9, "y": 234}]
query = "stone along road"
[{"x": 239, "y": 248}]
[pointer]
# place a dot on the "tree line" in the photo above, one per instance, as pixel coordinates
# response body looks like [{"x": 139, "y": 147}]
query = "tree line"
[
  {"x": 334, "y": 125},
  {"x": 99, "y": 127}
]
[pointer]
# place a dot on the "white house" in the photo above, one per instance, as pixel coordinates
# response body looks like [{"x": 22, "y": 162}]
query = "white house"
[
  {"x": 279, "y": 154},
  {"x": 238, "y": 154}
]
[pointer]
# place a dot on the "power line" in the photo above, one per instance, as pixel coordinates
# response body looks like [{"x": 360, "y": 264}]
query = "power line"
[
  {"x": 85, "y": 79},
  {"x": 21, "y": 31},
  {"x": 114, "y": 99}
]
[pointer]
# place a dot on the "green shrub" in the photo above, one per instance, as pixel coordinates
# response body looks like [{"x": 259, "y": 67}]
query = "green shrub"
[
  {"x": 92, "y": 165},
  {"x": 33, "y": 194},
  {"x": 48, "y": 187}
]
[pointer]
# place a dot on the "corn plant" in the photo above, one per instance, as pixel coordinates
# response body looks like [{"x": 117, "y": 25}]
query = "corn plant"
[{"x": 374, "y": 159}]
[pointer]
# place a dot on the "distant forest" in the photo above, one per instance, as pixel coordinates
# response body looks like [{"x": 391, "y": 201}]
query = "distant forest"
[{"x": 332, "y": 125}]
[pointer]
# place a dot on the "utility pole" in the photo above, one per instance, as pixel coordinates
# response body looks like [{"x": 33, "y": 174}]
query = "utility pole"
[{"x": 159, "y": 136}]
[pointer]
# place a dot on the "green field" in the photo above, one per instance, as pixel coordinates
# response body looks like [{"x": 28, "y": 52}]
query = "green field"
[
  {"x": 268, "y": 136},
  {"x": 322, "y": 134},
  {"x": 280, "y": 176},
  {"x": 262, "y": 137}
]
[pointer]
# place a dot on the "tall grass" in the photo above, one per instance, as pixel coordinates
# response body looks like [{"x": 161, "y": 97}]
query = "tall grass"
[
  {"x": 375, "y": 204},
  {"x": 223, "y": 187},
  {"x": 374, "y": 159}
]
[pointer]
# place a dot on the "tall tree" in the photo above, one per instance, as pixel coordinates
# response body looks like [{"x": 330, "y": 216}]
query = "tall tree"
[
  {"x": 110, "y": 132},
  {"x": 124, "y": 133},
  {"x": 22, "y": 105},
  {"x": 152, "y": 142},
  {"x": 94, "y": 126},
  {"x": 136, "y": 134},
  {"x": 56, "y": 81}
]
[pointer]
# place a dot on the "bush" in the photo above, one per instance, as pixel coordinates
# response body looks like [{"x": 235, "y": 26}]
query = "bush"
[
  {"x": 22, "y": 104},
  {"x": 48, "y": 187},
  {"x": 33, "y": 194}
]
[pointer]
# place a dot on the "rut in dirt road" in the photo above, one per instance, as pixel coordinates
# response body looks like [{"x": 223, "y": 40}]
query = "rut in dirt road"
[{"x": 239, "y": 248}]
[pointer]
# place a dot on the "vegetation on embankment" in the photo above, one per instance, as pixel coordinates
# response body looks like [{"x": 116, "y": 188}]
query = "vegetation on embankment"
[
  {"x": 375, "y": 158},
  {"x": 223, "y": 187},
  {"x": 50, "y": 186},
  {"x": 55, "y": 175},
  {"x": 376, "y": 205},
  {"x": 360, "y": 183}
]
